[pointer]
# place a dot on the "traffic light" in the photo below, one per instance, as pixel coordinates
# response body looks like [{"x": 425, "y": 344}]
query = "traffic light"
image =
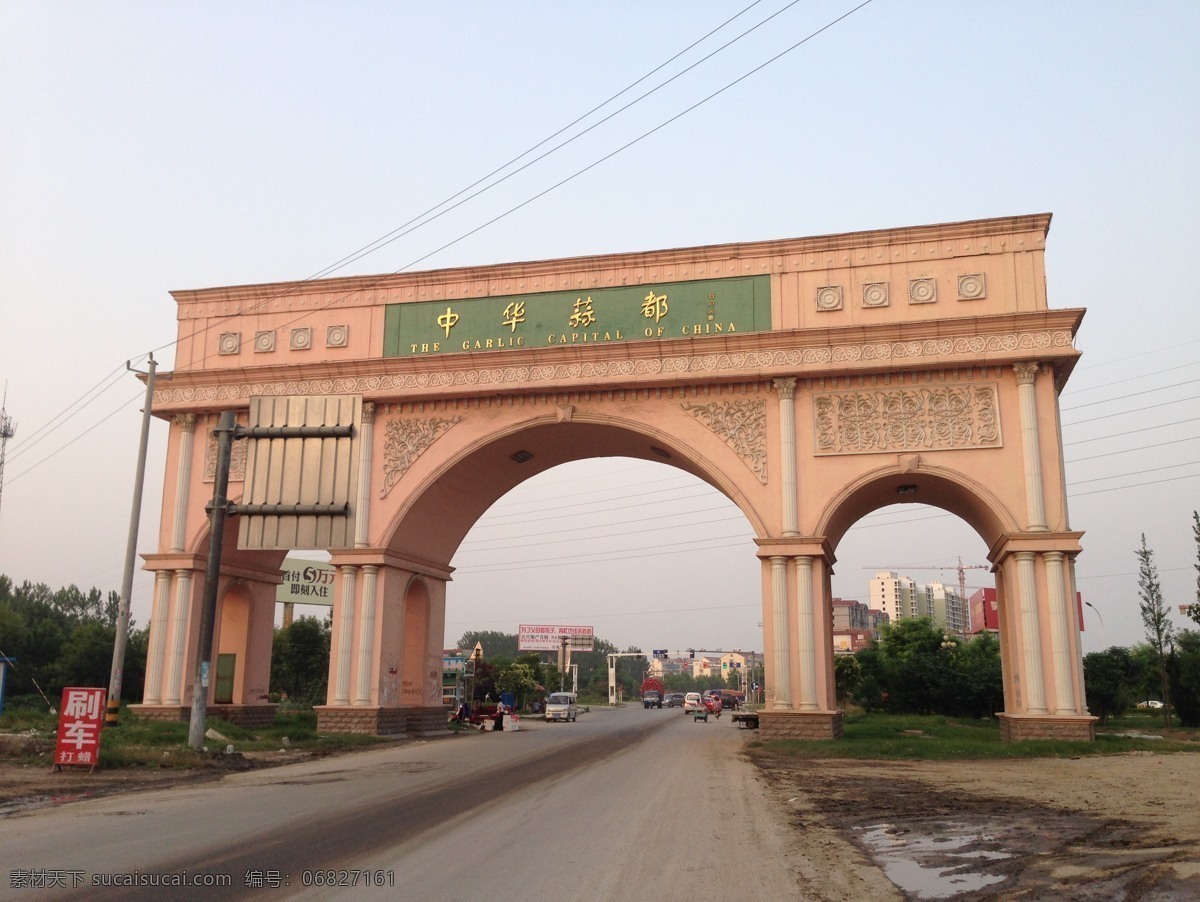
[{"x": 691, "y": 652}]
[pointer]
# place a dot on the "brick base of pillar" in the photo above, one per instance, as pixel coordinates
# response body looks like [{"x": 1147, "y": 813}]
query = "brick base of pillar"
[
  {"x": 1018, "y": 728},
  {"x": 242, "y": 715},
  {"x": 161, "y": 712},
  {"x": 808, "y": 725},
  {"x": 381, "y": 721}
]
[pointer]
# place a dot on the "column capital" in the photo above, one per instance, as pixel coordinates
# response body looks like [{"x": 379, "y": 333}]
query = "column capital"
[
  {"x": 186, "y": 421},
  {"x": 1037, "y": 542},
  {"x": 368, "y": 412},
  {"x": 786, "y": 387},
  {"x": 1026, "y": 372},
  {"x": 795, "y": 546}
]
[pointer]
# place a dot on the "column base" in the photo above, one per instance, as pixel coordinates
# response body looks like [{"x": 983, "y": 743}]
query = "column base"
[
  {"x": 1073, "y": 728},
  {"x": 381, "y": 721},
  {"x": 808, "y": 725},
  {"x": 242, "y": 715}
]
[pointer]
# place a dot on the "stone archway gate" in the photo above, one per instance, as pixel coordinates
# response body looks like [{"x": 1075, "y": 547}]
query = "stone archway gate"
[{"x": 811, "y": 380}]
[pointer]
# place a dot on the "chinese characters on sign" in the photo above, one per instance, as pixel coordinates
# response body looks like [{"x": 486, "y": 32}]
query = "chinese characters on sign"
[
  {"x": 306, "y": 582},
  {"x": 600, "y": 315},
  {"x": 80, "y": 720},
  {"x": 654, "y": 306},
  {"x": 534, "y": 637}
]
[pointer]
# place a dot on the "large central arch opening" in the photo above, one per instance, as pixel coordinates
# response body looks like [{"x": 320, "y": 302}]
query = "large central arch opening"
[{"x": 648, "y": 554}]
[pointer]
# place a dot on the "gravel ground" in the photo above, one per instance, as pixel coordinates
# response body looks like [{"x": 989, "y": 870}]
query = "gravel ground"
[{"x": 1096, "y": 828}]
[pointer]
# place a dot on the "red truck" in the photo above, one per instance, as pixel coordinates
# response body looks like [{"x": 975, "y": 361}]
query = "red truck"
[{"x": 653, "y": 692}]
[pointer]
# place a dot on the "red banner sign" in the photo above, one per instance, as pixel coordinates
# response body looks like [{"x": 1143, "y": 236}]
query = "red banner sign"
[{"x": 80, "y": 720}]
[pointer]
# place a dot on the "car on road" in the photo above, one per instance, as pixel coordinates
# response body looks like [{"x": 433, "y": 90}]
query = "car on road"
[
  {"x": 1151, "y": 703},
  {"x": 651, "y": 699},
  {"x": 713, "y": 704},
  {"x": 692, "y": 702},
  {"x": 562, "y": 706},
  {"x": 673, "y": 700}
]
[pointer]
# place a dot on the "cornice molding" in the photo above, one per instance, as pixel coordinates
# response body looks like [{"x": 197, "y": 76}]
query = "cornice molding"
[
  {"x": 986, "y": 340},
  {"x": 751, "y": 357},
  {"x": 972, "y": 237}
]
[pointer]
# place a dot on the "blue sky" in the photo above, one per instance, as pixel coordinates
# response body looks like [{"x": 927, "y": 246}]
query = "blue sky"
[{"x": 149, "y": 147}]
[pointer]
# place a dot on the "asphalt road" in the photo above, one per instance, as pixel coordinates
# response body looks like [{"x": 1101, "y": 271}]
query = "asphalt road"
[{"x": 624, "y": 803}]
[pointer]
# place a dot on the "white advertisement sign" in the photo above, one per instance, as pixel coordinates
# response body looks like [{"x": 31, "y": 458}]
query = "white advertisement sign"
[
  {"x": 539, "y": 637},
  {"x": 306, "y": 582}
]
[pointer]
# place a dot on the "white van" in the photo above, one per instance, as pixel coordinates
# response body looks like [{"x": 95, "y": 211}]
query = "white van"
[{"x": 561, "y": 706}]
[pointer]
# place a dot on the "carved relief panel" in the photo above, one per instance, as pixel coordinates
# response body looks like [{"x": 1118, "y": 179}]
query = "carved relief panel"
[{"x": 906, "y": 419}]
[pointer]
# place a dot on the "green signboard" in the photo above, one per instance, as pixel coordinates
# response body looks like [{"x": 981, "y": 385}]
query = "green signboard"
[{"x": 597, "y": 316}]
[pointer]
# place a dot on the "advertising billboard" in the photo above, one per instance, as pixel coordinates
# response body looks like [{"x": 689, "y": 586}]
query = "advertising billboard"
[{"x": 539, "y": 637}]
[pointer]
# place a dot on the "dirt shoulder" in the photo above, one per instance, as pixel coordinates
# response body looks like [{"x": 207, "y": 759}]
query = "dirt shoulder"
[
  {"x": 28, "y": 778},
  {"x": 1114, "y": 827}
]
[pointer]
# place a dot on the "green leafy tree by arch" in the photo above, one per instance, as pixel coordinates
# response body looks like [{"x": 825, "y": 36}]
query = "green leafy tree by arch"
[
  {"x": 1156, "y": 620},
  {"x": 1193, "y": 610}
]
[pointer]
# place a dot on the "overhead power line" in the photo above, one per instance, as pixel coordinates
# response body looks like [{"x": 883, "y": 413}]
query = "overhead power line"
[{"x": 375, "y": 245}]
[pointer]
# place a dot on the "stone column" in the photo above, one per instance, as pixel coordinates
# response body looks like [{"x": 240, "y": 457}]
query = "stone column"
[
  {"x": 807, "y": 628},
  {"x": 366, "y": 458},
  {"x": 179, "y": 625},
  {"x": 347, "y": 600},
  {"x": 183, "y": 480},
  {"x": 1060, "y": 647},
  {"x": 1035, "y": 500},
  {"x": 159, "y": 628},
  {"x": 786, "y": 389},
  {"x": 1031, "y": 641},
  {"x": 782, "y": 661},
  {"x": 366, "y": 636}
]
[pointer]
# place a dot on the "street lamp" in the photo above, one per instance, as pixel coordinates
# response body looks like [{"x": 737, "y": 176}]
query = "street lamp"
[{"x": 1103, "y": 631}]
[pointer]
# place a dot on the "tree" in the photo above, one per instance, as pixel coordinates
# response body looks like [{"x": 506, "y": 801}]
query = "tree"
[
  {"x": 847, "y": 675},
  {"x": 64, "y": 638},
  {"x": 1156, "y": 620},
  {"x": 981, "y": 677},
  {"x": 300, "y": 660},
  {"x": 517, "y": 677},
  {"x": 1185, "y": 677},
  {"x": 1107, "y": 678},
  {"x": 495, "y": 644},
  {"x": 1193, "y": 610}
]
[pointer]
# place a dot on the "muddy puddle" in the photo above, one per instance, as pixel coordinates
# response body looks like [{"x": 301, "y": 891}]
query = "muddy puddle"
[{"x": 936, "y": 861}]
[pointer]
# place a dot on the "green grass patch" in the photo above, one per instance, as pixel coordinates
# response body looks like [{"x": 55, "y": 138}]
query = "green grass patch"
[
  {"x": 135, "y": 742},
  {"x": 913, "y": 738}
]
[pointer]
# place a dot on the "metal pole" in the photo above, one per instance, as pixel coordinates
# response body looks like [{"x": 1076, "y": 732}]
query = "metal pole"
[
  {"x": 226, "y": 427},
  {"x": 1103, "y": 631},
  {"x": 117, "y": 675}
]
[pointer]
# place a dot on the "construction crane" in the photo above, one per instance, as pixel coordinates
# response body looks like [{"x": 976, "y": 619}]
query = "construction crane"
[
  {"x": 7, "y": 430},
  {"x": 961, "y": 568}
]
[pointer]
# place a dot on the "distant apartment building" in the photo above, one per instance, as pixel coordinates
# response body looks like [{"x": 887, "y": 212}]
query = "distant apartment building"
[
  {"x": 901, "y": 597},
  {"x": 950, "y": 609},
  {"x": 732, "y": 662},
  {"x": 659, "y": 668},
  {"x": 854, "y": 625},
  {"x": 985, "y": 612}
]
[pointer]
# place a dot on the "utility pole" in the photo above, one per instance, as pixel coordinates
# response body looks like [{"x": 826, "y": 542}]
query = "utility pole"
[
  {"x": 217, "y": 510},
  {"x": 117, "y": 675},
  {"x": 7, "y": 430}
]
